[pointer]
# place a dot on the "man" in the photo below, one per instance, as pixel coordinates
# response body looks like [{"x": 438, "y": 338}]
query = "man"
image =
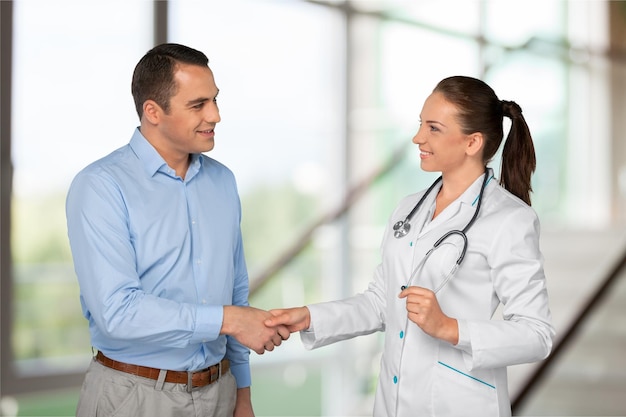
[{"x": 154, "y": 229}]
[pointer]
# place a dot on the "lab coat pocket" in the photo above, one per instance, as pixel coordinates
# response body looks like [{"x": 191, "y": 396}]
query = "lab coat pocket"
[{"x": 458, "y": 391}]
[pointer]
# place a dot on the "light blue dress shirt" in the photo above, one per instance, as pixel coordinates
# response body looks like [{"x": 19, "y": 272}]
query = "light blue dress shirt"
[{"x": 157, "y": 257}]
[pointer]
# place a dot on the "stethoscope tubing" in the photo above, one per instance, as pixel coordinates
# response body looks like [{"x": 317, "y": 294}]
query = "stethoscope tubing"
[{"x": 402, "y": 228}]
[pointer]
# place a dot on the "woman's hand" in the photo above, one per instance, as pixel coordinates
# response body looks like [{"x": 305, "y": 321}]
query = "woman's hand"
[
  {"x": 424, "y": 310},
  {"x": 295, "y": 319}
]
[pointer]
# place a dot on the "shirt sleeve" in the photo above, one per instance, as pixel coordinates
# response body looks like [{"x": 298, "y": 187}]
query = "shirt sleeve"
[
  {"x": 105, "y": 264},
  {"x": 238, "y": 354}
]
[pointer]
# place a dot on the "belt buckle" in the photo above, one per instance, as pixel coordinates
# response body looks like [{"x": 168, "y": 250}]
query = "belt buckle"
[
  {"x": 189, "y": 381},
  {"x": 216, "y": 376}
]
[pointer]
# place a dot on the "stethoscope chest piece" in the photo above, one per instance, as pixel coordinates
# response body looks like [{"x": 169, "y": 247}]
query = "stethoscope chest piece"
[{"x": 401, "y": 228}]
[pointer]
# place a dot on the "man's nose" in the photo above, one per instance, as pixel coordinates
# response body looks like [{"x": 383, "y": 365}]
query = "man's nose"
[{"x": 212, "y": 113}]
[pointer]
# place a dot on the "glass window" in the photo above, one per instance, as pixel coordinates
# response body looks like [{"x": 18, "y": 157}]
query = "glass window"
[
  {"x": 430, "y": 14},
  {"x": 540, "y": 88},
  {"x": 280, "y": 69},
  {"x": 413, "y": 60},
  {"x": 73, "y": 63},
  {"x": 521, "y": 23},
  {"x": 295, "y": 140}
]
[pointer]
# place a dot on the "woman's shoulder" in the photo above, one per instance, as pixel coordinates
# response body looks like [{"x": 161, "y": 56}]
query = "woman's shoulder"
[
  {"x": 407, "y": 202},
  {"x": 502, "y": 203}
]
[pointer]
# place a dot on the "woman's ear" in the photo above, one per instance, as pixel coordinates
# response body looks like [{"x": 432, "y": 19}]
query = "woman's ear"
[{"x": 475, "y": 143}]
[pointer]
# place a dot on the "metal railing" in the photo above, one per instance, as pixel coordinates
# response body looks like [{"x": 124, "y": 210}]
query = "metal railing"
[
  {"x": 302, "y": 241},
  {"x": 569, "y": 336}
]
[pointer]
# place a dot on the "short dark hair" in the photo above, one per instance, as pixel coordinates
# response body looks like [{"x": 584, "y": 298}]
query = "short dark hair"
[{"x": 153, "y": 78}]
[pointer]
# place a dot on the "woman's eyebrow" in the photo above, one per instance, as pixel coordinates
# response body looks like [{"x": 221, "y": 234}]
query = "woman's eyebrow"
[{"x": 435, "y": 122}]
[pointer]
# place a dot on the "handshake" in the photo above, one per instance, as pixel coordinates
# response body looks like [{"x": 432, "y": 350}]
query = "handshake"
[{"x": 262, "y": 330}]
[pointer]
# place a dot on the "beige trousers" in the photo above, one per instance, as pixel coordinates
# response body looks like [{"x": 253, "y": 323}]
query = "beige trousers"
[{"x": 107, "y": 393}]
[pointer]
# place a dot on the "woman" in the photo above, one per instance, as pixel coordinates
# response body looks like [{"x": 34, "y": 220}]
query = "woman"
[{"x": 444, "y": 353}]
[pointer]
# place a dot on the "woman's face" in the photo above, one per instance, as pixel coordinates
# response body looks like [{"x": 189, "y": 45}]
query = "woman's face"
[{"x": 441, "y": 142}]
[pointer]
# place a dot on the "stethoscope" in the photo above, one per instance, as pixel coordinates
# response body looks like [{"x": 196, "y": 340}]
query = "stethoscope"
[{"x": 402, "y": 228}]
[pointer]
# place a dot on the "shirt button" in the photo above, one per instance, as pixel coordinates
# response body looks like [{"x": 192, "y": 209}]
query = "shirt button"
[
  {"x": 401, "y": 334},
  {"x": 198, "y": 261},
  {"x": 395, "y": 379},
  {"x": 203, "y": 301}
]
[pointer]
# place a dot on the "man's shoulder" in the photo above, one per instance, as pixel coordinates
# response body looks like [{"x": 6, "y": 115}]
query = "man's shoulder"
[
  {"x": 116, "y": 161},
  {"x": 213, "y": 166}
]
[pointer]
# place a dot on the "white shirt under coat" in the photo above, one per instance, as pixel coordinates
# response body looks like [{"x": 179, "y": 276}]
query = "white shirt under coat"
[{"x": 424, "y": 376}]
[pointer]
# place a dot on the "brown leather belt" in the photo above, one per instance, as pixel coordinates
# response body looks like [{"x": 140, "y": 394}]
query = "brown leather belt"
[{"x": 193, "y": 379}]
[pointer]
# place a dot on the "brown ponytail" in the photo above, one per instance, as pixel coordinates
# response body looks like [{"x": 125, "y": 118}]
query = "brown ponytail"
[
  {"x": 480, "y": 110},
  {"x": 518, "y": 155}
]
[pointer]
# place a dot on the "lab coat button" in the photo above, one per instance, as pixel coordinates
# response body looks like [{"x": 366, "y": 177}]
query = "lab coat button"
[
  {"x": 395, "y": 379},
  {"x": 401, "y": 334}
]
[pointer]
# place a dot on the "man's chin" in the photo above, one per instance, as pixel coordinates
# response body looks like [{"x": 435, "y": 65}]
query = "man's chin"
[{"x": 208, "y": 147}]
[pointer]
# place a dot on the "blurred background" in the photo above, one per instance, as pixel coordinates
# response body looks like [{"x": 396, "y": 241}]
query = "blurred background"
[{"x": 319, "y": 101}]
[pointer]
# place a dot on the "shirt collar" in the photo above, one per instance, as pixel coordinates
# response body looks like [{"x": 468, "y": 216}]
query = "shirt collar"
[{"x": 153, "y": 162}]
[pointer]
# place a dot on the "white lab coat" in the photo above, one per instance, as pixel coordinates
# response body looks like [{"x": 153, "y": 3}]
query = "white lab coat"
[{"x": 424, "y": 376}]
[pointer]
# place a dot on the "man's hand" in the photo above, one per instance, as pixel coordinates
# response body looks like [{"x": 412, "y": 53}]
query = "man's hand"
[
  {"x": 424, "y": 310},
  {"x": 294, "y": 319},
  {"x": 246, "y": 324}
]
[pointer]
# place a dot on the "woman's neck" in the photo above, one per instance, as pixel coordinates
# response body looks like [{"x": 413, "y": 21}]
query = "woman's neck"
[{"x": 452, "y": 186}]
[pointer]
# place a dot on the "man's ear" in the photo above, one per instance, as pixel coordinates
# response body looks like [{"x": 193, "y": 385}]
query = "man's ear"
[
  {"x": 152, "y": 111},
  {"x": 475, "y": 143}
]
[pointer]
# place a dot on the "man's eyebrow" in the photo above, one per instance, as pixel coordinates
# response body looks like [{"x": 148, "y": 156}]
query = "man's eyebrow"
[{"x": 201, "y": 100}]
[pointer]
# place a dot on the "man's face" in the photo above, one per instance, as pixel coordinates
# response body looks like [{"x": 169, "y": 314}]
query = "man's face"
[{"x": 188, "y": 126}]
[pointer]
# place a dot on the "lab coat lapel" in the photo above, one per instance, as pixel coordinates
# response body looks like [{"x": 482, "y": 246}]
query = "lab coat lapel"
[
  {"x": 459, "y": 212},
  {"x": 454, "y": 217}
]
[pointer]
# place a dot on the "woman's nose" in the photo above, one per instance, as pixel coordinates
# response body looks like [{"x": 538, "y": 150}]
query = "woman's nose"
[{"x": 417, "y": 139}]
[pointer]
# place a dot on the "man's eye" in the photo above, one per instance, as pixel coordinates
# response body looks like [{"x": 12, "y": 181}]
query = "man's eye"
[{"x": 198, "y": 106}]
